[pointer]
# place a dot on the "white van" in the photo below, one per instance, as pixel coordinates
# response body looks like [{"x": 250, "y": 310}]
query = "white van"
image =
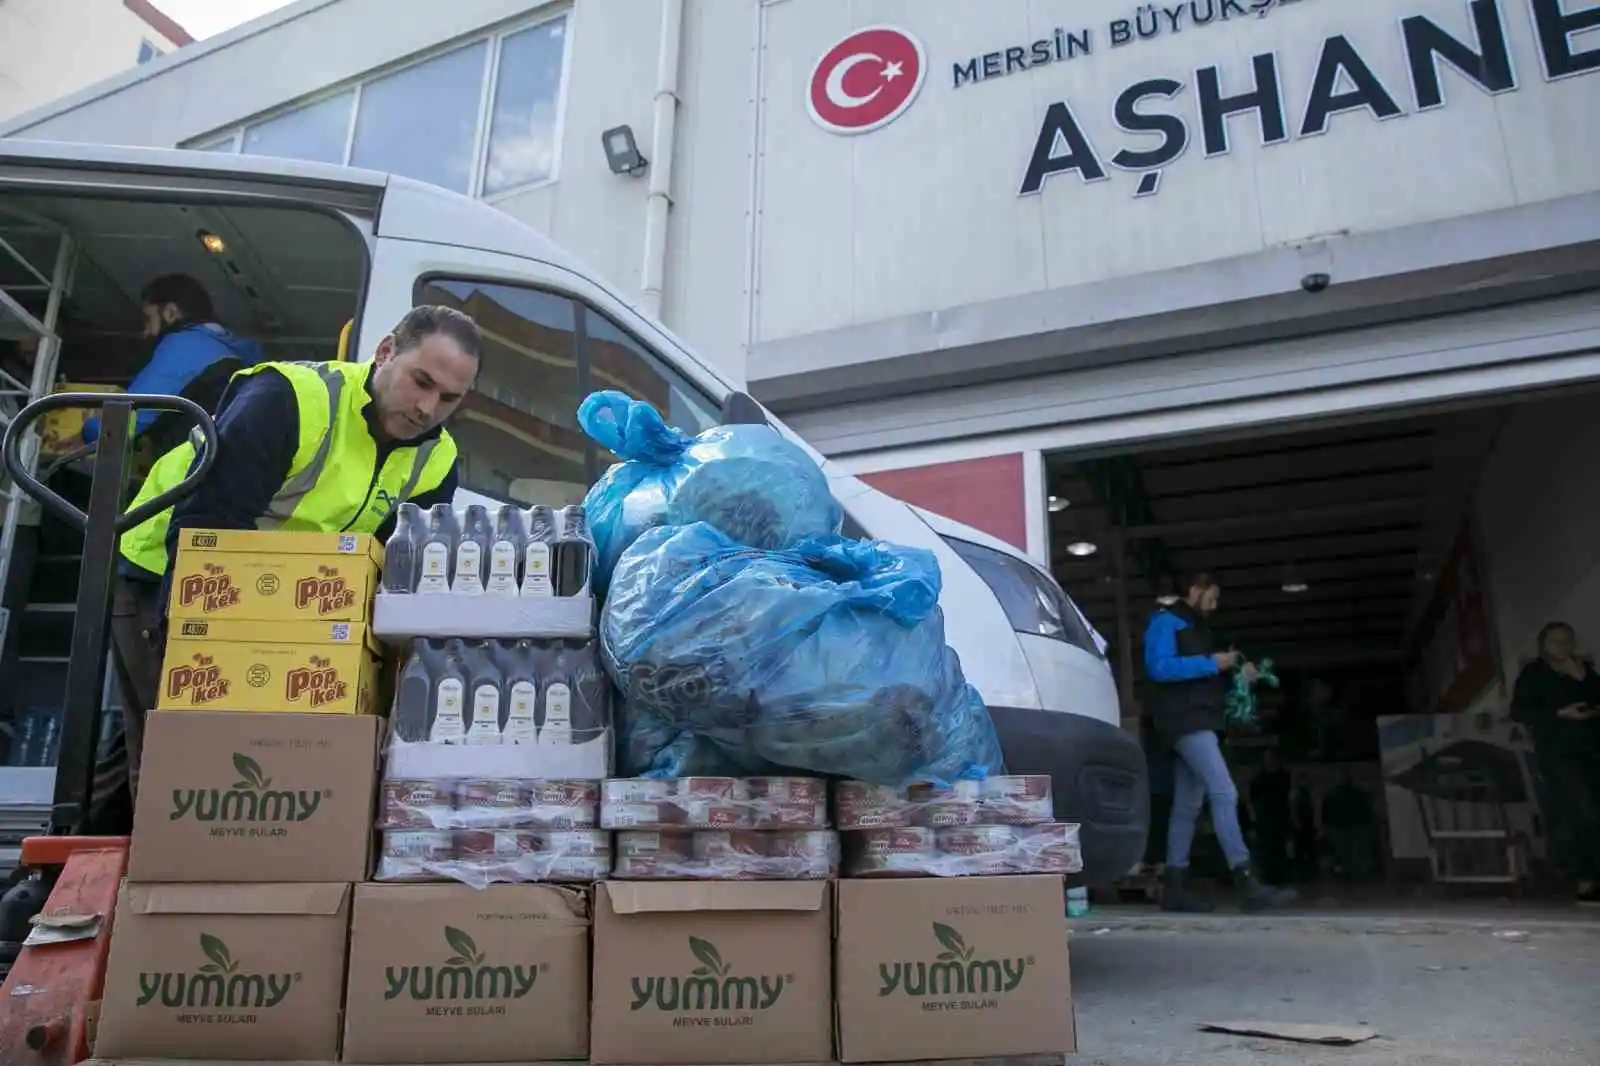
[{"x": 318, "y": 262}]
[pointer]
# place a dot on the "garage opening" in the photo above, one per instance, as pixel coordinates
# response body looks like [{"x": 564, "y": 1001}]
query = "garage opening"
[{"x": 1397, "y": 574}]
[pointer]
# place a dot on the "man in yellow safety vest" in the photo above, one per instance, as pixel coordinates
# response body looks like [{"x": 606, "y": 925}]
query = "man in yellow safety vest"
[{"x": 322, "y": 447}]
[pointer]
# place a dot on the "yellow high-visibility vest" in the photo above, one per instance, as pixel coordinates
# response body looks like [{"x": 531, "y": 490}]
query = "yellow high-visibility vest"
[{"x": 333, "y": 484}]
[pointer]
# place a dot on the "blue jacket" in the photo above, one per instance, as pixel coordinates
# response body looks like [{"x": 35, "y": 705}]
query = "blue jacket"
[
  {"x": 179, "y": 357},
  {"x": 1162, "y": 662}
]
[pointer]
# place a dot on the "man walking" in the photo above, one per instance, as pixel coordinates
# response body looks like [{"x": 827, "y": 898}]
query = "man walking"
[
  {"x": 1188, "y": 703},
  {"x": 320, "y": 447}
]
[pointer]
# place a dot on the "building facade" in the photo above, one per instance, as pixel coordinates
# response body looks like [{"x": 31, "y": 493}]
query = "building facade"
[
  {"x": 943, "y": 240},
  {"x": 50, "y": 48}
]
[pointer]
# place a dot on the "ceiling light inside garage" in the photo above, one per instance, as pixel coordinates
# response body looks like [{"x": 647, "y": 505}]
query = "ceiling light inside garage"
[
  {"x": 1082, "y": 548},
  {"x": 1059, "y": 503}
]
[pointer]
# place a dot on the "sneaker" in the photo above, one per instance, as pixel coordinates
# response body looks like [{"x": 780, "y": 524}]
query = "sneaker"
[
  {"x": 1255, "y": 896},
  {"x": 1176, "y": 896}
]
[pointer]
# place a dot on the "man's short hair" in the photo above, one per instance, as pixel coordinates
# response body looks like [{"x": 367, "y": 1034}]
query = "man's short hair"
[
  {"x": 184, "y": 293},
  {"x": 426, "y": 320}
]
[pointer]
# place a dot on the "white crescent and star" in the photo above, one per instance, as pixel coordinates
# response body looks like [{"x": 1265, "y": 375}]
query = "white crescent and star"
[{"x": 834, "y": 88}]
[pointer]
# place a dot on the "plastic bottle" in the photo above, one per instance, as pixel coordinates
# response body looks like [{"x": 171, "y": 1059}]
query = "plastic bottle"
[
  {"x": 505, "y": 551},
  {"x": 449, "y": 724},
  {"x": 1077, "y": 902},
  {"x": 522, "y": 695},
  {"x": 472, "y": 551},
  {"x": 573, "y": 552},
  {"x": 438, "y": 549},
  {"x": 555, "y": 698},
  {"x": 400, "y": 554},
  {"x": 412, "y": 696},
  {"x": 487, "y": 686},
  {"x": 591, "y": 690},
  {"x": 537, "y": 569}
]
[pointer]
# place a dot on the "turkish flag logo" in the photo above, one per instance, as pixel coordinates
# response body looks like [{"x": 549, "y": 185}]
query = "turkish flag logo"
[{"x": 866, "y": 80}]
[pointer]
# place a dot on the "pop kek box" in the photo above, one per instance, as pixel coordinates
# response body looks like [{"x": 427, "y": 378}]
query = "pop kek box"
[
  {"x": 274, "y": 576},
  {"x": 238, "y": 665}
]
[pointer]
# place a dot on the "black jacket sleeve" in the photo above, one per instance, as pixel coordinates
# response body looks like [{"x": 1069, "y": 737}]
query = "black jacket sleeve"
[{"x": 258, "y": 429}]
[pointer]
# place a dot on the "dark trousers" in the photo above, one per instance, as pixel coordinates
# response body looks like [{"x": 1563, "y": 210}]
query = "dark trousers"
[
  {"x": 1570, "y": 794},
  {"x": 137, "y": 640}
]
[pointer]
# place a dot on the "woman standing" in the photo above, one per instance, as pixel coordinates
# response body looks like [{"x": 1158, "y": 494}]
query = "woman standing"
[{"x": 1558, "y": 699}]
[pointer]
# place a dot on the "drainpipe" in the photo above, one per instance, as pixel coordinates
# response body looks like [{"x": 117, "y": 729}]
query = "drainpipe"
[{"x": 663, "y": 141}]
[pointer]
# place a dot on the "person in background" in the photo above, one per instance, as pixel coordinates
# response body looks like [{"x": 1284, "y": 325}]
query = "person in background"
[
  {"x": 1269, "y": 799},
  {"x": 330, "y": 447},
  {"x": 1307, "y": 846},
  {"x": 193, "y": 357},
  {"x": 1558, "y": 698},
  {"x": 1188, "y": 705}
]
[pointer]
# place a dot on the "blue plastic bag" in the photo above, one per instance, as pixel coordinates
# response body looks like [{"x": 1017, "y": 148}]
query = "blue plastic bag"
[
  {"x": 828, "y": 657},
  {"x": 747, "y": 481}
]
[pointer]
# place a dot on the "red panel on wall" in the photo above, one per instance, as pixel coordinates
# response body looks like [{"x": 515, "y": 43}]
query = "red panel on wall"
[{"x": 983, "y": 493}]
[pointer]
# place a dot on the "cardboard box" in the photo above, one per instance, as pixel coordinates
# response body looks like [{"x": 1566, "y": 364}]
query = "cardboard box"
[
  {"x": 712, "y": 972},
  {"x": 274, "y": 576},
  {"x": 952, "y": 967},
  {"x": 225, "y": 971},
  {"x": 236, "y": 665},
  {"x": 255, "y": 797},
  {"x": 449, "y": 973}
]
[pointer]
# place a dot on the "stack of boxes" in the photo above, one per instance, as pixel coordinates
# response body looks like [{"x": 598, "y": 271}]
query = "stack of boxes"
[{"x": 248, "y": 928}]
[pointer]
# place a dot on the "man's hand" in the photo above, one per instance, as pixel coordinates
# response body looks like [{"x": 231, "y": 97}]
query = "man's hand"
[
  {"x": 1225, "y": 660},
  {"x": 1251, "y": 674},
  {"x": 1575, "y": 712}
]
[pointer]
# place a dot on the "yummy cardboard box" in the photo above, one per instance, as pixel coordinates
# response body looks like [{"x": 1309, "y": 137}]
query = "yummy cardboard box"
[
  {"x": 255, "y": 797},
  {"x": 274, "y": 576},
  {"x": 951, "y": 968},
  {"x": 450, "y": 973},
  {"x": 711, "y": 972},
  {"x": 225, "y": 972},
  {"x": 235, "y": 665}
]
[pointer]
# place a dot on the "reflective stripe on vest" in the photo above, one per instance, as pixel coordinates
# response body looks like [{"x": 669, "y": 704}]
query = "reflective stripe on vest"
[{"x": 322, "y": 491}]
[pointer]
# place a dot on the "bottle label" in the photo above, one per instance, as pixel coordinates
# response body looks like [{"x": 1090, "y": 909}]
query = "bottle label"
[
  {"x": 435, "y": 575},
  {"x": 469, "y": 568},
  {"x": 449, "y": 727},
  {"x": 536, "y": 571},
  {"x": 521, "y": 727},
  {"x": 503, "y": 569},
  {"x": 485, "y": 716},
  {"x": 557, "y": 715}
]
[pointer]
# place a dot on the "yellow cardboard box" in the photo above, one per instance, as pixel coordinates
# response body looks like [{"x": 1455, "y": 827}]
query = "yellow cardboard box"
[
  {"x": 236, "y": 665},
  {"x": 274, "y": 576}
]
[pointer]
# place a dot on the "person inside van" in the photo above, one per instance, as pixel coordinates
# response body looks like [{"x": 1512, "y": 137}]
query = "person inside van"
[
  {"x": 193, "y": 357},
  {"x": 1188, "y": 698},
  {"x": 311, "y": 447}
]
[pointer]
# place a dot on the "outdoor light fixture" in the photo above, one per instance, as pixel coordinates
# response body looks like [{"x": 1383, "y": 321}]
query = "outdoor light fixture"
[
  {"x": 1082, "y": 548},
  {"x": 211, "y": 242},
  {"x": 622, "y": 151},
  {"x": 1293, "y": 583},
  {"x": 1059, "y": 503}
]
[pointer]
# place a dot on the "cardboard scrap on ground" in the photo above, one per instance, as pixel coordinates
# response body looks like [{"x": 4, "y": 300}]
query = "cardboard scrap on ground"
[{"x": 1329, "y": 1035}]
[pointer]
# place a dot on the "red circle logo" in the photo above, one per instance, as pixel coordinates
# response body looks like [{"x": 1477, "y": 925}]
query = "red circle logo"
[{"x": 866, "y": 80}]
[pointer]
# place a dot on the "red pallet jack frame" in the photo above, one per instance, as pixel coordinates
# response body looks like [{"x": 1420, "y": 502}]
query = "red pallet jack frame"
[{"x": 49, "y": 999}]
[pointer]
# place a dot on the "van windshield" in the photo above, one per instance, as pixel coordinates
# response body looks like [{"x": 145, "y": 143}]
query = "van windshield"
[{"x": 1033, "y": 603}]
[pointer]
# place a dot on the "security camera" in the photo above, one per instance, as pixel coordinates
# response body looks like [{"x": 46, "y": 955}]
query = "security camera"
[{"x": 1315, "y": 282}]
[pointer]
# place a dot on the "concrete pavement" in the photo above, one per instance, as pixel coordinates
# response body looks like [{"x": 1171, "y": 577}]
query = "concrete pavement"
[{"x": 1457, "y": 985}]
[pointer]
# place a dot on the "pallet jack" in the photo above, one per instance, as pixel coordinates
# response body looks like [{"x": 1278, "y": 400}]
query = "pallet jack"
[{"x": 48, "y": 1001}]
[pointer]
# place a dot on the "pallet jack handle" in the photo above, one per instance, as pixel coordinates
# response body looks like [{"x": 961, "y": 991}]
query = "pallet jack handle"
[{"x": 102, "y": 524}]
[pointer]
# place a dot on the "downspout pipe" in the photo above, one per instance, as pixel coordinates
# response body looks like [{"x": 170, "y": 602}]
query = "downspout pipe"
[{"x": 663, "y": 143}]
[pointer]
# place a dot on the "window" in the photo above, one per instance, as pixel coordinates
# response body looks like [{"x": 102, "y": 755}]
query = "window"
[
  {"x": 482, "y": 118},
  {"x": 1033, "y": 603},
  {"x": 315, "y": 132},
  {"x": 518, "y": 429},
  {"x": 522, "y": 130},
  {"x": 147, "y": 52},
  {"x": 422, "y": 121}
]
